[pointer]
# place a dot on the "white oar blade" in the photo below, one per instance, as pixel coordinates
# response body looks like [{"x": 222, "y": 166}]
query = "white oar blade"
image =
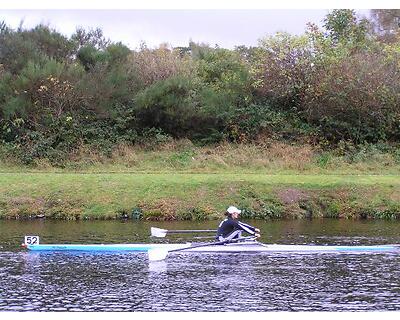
[
  {"x": 159, "y": 233},
  {"x": 157, "y": 254}
]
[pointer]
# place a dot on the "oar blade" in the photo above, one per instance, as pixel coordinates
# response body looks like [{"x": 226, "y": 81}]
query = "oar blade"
[
  {"x": 157, "y": 254},
  {"x": 157, "y": 232}
]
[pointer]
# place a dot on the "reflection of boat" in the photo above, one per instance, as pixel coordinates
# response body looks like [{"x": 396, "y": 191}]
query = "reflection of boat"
[{"x": 248, "y": 246}]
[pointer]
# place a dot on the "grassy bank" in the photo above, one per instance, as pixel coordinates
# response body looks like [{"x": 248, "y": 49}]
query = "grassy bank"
[
  {"x": 197, "y": 196},
  {"x": 181, "y": 181},
  {"x": 270, "y": 157}
]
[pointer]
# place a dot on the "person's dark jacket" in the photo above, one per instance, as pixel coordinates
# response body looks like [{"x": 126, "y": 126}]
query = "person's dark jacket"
[{"x": 230, "y": 225}]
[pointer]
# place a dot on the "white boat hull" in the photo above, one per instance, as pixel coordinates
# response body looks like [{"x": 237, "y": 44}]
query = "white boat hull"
[{"x": 237, "y": 247}]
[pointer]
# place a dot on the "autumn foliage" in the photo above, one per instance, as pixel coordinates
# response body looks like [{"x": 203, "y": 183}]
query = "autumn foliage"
[{"x": 328, "y": 86}]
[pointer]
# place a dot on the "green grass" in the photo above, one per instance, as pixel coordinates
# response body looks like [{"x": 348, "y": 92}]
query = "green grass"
[
  {"x": 182, "y": 181},
  {"x": 105, "y": 195}
]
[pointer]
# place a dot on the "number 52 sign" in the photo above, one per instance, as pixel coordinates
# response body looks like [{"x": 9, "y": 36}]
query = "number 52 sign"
[{"x": 31, "y": 240}]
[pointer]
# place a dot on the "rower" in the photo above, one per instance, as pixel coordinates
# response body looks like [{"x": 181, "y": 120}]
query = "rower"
[{"x": 231, "y": 228}]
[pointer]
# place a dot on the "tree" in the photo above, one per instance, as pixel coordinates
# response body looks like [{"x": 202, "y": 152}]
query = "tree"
[
  {"x": 282, "y": 69},
  {"x": 166, "y": 105},
  {"x": 94, "y": 38},
  {"x": 88, "y": 56},
  {"x": 37, "y": 45},
  {"x": 117, "y": 53},
  {"x": 248, "y": 54},
  {"x": 152, "y": 65},
  {"x": 42, "y": 92},
  {"x": 356, "y": 98},
  {"x": 224, "y": 82},
  {"x": 342, "y": 25},
  {"x": 113, "y": 54}
]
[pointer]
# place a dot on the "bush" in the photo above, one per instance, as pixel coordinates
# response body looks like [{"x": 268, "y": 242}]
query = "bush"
[
  {"x": 333, "y": 209},
  {"x": 356, "y": 99},
  {"x": 323, "y": 159},
  {"x": 171, "y": 106},
  {"x": 389, "y": 213},
  {"x": 248, "y": 123},
  {"x": 263, "y": 212},
  {"x": 224, "y": 83},
  {"x": 198, "y": 214},
  {"x": 341, "y": 84},
  {"x": 33, "y": 46},
  {"x": 64, "y": 137},
  {"x": 41, "y": 93},
  {"x": 283, "y": 68},
  {"x": 151, "y": 66},
  {"x": 152, "y": 138},
  {"x": 113, "y": 55}
]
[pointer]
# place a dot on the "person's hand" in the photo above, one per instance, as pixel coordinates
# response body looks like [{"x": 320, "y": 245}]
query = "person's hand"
[
  {"x": 257, "y": 230},
  {"x": 257, "y": 235}
]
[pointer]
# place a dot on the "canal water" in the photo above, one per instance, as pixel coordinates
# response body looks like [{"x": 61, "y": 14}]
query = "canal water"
[{"x": 199, "y": 282}]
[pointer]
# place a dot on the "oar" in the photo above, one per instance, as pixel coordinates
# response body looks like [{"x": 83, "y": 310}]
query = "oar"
[
  {"x": 158, "y": 254},
  {"x": 161, "y": 233}
]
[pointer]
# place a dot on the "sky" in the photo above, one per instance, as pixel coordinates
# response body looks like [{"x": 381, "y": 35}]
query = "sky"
[{"x": 132, "y": 25}]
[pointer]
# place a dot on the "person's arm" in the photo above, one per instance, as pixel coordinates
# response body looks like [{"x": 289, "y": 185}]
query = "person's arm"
[{"x": 248, "y": 228}]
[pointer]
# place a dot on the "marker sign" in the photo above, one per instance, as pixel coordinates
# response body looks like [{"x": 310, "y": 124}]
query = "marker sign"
[{"x": 31, "y": 240}]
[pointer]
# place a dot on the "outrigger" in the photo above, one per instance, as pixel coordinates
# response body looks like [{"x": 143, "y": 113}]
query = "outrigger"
[{"x": 158, "y": 251}]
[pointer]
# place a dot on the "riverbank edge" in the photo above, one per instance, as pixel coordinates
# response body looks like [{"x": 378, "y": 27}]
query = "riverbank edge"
[{"x": 162, "y": 197}]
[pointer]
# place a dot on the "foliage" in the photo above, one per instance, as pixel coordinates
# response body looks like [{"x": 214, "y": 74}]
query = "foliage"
[
  {"x": 343, "y": 26},
  {"x": 328, "y": 86},
  {"x": 39, "y": 96},
  {"x": 283, "y": 68},
  {"x": 166, "y": 105},
  {"x": 153, "y": 65},
  {"x": 198, "y": 214},
  {"x": 356, "y": 99},
  {"x": 262, "y": 120},
  {"x": 92, "y": 37},
  {"x": 224, "y": 82},
  {"x": 112, "y": 55},
  {"x": 260, "y": 206},
  {"x": 263, "y": 212},
  {"x": 36, "y": 46}
]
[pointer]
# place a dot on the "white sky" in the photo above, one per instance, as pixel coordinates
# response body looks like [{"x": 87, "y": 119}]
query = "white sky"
[{"x": 131, "y": 23}]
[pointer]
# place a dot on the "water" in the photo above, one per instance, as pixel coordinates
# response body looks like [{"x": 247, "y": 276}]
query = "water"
[{"x": 199, "y": 282}]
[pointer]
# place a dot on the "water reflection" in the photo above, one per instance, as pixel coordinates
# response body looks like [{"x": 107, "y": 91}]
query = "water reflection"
[{"x": 156, "y": 267}]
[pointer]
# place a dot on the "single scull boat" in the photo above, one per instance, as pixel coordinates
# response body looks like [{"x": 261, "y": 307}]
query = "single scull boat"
[{"x": 32, "y": 244}]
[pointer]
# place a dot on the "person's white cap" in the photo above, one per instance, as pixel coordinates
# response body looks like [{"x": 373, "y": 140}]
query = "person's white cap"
[{"x": 233, "y": 209}]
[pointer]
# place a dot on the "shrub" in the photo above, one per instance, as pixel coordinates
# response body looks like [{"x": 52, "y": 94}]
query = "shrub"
[
  {"x": 198, "y": 214},
  {"x": 262, "y": 212},
  {"x": 323, "y": 159},
  {"x": 282, "y": 69},
  {"x": 33, "y": 46},
  {"x": 41, "y": 93},
  {"x": 169, "y": 105},
  {"x": 224, "y": 83},
  {"x": 154, "y": 65},
  {"x": 355, "y": 99},
  {"x": 153, "y": 137},
  {"x": 332, "y": 210},
  {"x": 249, "y": 122}
]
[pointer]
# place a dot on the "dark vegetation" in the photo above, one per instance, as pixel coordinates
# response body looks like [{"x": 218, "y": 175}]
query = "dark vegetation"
[{"x": 339, "y": 86}]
